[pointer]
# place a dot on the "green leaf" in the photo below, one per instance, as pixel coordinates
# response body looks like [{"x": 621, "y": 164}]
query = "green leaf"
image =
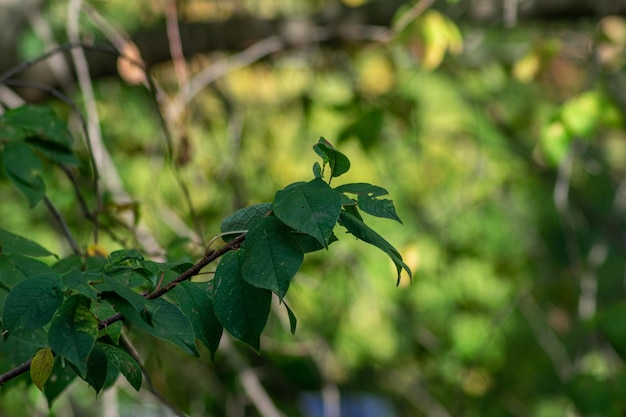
[
  {"x": 18, "y": 245},
  {"x": 126, "y": 258},
  {"x": 73, "y": 331},
  {"x": 32, "y": 302},
  {"x": 317, "y": 170},
  {"x": 312, "y": 208},
  {"x": 196, "y": 302},
  {"x": 168, "y": 323},
  {"x": 242, "y": 218},
  {"x": 307, "y": 243},
  {"x": 23, "y": 345},
  {"x": 38, "y": 121},
  {"x": 272, "y": 256},
  {"x": 23, "y": 168},
  {"x": 339, "y": 163},
  {"x": 97, "y": 368},
  {"x": 240, "y": 307},
  {"x": 293, "y": 321},
  {"x": 144, "y": 307},
  {"x": 41, "y": 367},
  {"x": 104, "y": 309},
  {"x": 379, "y": 208},
  {"x": 366, "y": 234},
  {"x": 362, "y": 188},
  {"x": 80, "y": 282},
  {"x": 60, "y": 378},
  {"x": 125, "y": 363}
]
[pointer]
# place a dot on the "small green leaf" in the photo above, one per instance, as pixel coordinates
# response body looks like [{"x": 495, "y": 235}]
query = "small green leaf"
[
  {"x": 38, "y": 121},
  {"x": 125, "y": 363},
  {"x": 312, "y": 208},
  {"x": 272, "y": 256},
  {"x": 339, "y": 163},
  {"x": 317, "y": 170},
  {"x": 196, "y": 302},
  {"x": 144, "y": 307},
  {"x": 126, "y": 257},
  {"x": 14, "y": 244},
  {"x": 23, "y": 168},
  {"x": 366, "y": 234},
  {"x": 242, "y": 218},
  {"x": 379, "y": 208},
  {"x": 293, "y": 321},
  {"x": 41, "y": 367},
  {"x": 32, "y": 302},
  {"x": 240, "y": 307},
  {"x": 73, "y": 331},
  {"x": 103, "y": 309},
  {"x": 80, "y": 282}
]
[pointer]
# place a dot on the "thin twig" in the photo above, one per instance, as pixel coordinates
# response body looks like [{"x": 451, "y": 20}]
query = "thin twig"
[{"x": 62, "y": 224}]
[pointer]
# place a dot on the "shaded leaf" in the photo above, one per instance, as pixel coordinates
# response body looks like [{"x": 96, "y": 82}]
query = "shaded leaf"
[
  {"x": 240, "y": 307},
  {"x": 272, "y": 256},
  {"x": 32, "y": 302},
  {"x": 80, "y": 282},
  {"x": 73, "y": 331},
  {"x": 41, "y": 367},
  {"x": 37, "y": 121},
  {"x": 196, "y": 302},
  {"x": 312, "y": 208},
  {"x": 366, "y": 234},
  {"x": 14, "y": 244},
  {"x": 103, "y": 309},
  {"x": 242, "y": 218},
  {"x": 61, "y": 377},
  {"x": 339, "y": 163},
  {"x": 124, "y": 362},
  {"x": 23, "y": 168},
  {"x": 293, "y": 321},
  {"x": 379, "y": 208},
  {"x": 97, "y": 368}
]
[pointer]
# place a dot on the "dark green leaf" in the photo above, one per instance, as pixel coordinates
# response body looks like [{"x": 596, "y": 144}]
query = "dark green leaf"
[
  {"x": 240, "y": 307},
  {"x": 196, "y": 302},
  {"x": 23, "y": 168},
  {"x": 362, "y": 188},
  {"x": 293, "y": 321},
  {"x": 58, "y": 153},
  {"x": 312, "y": 208},
  {"x": 73, "y": 331},
  {"x": 80, "y": 282},
  {"x": 61, "y": 377},
  {"x": 317, "y": 170},
  {"x": 168, "y": 323},
  {"x": 38, "y": 121},
  {"x": 97, "y": 368},
  {"x": 103, "y": 309},
  {"x": 126, "y": 257},
  {"x": 339, "y": 163},
  {"x": 32, "y": 302},
  {"x": 18, "y": 245},
  {"x": 144, "y": 307},
  {"x": 241, "y": 219},
  {"x": 125, "y": 363},
  {"x": 307, "y": 243},
  {"x": 366, "y": 234},
  {"x": 272, "y": 256},
  {"x": 378, "y": 208}
]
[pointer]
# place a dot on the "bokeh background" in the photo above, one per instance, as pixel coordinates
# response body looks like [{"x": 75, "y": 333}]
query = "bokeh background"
[{"x": 497, "y": 126}]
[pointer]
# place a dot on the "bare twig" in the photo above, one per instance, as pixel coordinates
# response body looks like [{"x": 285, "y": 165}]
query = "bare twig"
[
  {"x": 58, "y": 217},
  {"x": 176, "y": 46}
]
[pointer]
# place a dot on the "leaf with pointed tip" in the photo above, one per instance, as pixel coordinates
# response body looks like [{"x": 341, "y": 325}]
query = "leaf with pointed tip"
[
  {"x": 15, "y": 244},
  {"x": 240, "y": 307},
  {"x": 41, "y": 367},
  {"x": 195, "y": 300},
  {"x": 366, "y": 234},
  {"x": 312, "y": 208},
  {"x": 73, "y": 331},
  {"x": 125, "y": 363},
  {"x": 293, "y": 321},
  {"x": 24, "y": 168},
  {"x": 272, "y": 256},
  {"x": 339, "y": 163},
  {"x": 368, "y": 199},
  {"x": 242, "y": 218},
  {"x": 32, "y": 302}
]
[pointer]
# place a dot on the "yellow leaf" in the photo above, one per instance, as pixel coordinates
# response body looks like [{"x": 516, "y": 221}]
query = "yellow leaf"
[
  {"x": 97, "y": 250},
  {"x": 41, "y": 367}
]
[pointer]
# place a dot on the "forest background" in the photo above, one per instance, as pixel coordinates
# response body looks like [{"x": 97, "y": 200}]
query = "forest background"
[{"x": 496, "y": 126}]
